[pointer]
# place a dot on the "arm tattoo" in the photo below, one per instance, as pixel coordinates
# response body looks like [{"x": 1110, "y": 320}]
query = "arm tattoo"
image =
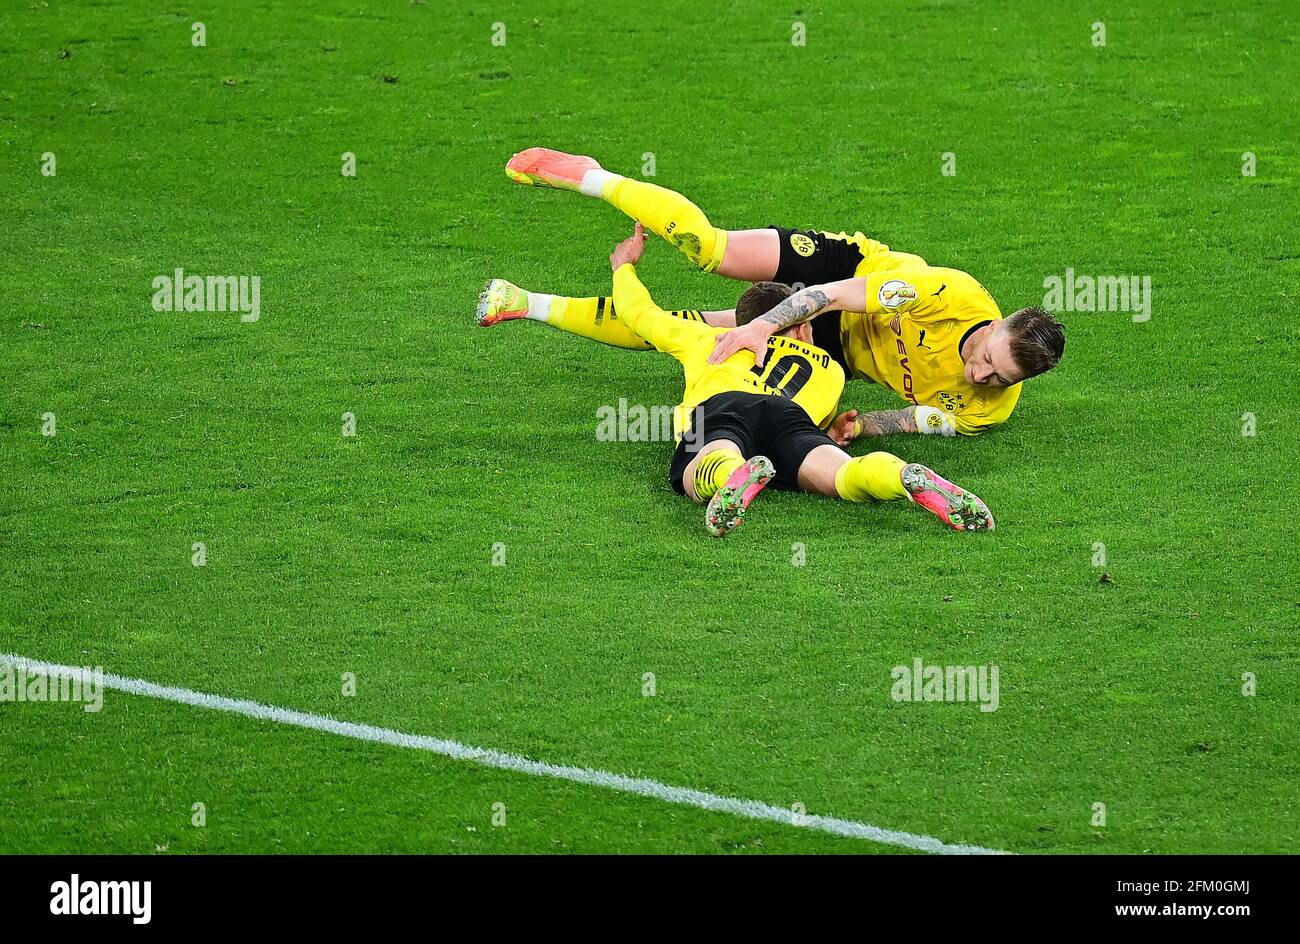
[
  {"x": 884, "y": 422},
  {"x": 802, "y": 306}
]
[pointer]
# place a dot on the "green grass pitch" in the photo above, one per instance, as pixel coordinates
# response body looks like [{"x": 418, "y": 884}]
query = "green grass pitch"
[{"x": 1121, "y": 682}]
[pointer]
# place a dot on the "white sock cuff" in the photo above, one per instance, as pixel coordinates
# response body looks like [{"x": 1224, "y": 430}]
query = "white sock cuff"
[
  {"x": 539, "y": 306},
  {"x": 593, "y": 182}
]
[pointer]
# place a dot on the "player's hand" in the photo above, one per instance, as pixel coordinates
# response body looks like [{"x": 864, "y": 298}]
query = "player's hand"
[
  {"x": 629, "y": 250},
  {"x": 752, "y": 337},
  {"x": 845, "y": 428}
]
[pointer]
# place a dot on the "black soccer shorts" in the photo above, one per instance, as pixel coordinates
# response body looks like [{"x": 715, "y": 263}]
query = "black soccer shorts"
[
  {"x": 812, "y": 258},
  {"x": 761, "y": 425}
]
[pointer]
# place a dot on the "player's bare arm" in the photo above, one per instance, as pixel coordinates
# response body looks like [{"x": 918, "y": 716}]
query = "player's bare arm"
[
  {"x": 885, "y": 422},
  {"x": 851, "y": 424},
  {"x": 802, "y": 306}
]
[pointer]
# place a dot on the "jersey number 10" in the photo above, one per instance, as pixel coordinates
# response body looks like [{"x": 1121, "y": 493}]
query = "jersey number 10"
[{"x": 786, "y": 375}]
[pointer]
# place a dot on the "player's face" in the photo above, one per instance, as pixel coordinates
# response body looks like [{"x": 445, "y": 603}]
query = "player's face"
[{"x": 991, "y": 364}]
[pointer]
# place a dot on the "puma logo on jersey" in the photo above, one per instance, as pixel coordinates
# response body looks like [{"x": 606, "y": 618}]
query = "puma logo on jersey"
[{"x": 920, "y": 342}]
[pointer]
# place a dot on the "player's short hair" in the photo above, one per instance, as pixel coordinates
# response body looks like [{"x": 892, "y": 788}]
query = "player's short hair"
[
  {"x": 759, "y": 299},
  {"x": 1037, "y": 340}
]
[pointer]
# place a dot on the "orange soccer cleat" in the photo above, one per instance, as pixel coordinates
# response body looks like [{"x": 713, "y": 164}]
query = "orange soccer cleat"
[
  {"x": 501, "y": 301},
  {"x": 542, "y": 167}
]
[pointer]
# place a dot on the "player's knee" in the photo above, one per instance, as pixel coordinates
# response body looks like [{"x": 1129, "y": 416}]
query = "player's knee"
[{"x": 818, "y": 471}]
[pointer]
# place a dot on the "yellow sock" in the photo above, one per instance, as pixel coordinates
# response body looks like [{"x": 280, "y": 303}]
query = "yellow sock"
[
  {"x": 593, "y": 318},
  {"x": 672, "y": 216},
  {"x": 874, "y": 476},
  {"x": 712, "y": 471}
]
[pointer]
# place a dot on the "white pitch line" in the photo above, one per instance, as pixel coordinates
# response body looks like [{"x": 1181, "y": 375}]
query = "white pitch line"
[{"x": 750, "y": 809}]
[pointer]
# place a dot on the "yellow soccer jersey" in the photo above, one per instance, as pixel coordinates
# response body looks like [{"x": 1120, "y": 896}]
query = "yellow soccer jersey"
[
  {"x": 794, "y": 370},
  {"x": 909, "y": 339}
]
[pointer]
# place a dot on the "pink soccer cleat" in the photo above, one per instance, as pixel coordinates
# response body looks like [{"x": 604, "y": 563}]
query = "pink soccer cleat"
[
  {"x": 726, "y": 509},
  {"x": 542, "y": 167},
  {"x": 952, "y": 504}
]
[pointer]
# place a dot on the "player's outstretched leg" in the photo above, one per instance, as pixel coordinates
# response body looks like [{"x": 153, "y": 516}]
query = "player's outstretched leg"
[
  {"x": 592, "y": 318},
  {"x": 664, "y": 211},
  {"x": 880, "y": 476}
]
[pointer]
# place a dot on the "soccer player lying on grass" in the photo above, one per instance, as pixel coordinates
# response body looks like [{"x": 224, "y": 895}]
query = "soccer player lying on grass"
[
  {"x": 932, "y": 335},
  {"x": 742, "y": 413}
]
